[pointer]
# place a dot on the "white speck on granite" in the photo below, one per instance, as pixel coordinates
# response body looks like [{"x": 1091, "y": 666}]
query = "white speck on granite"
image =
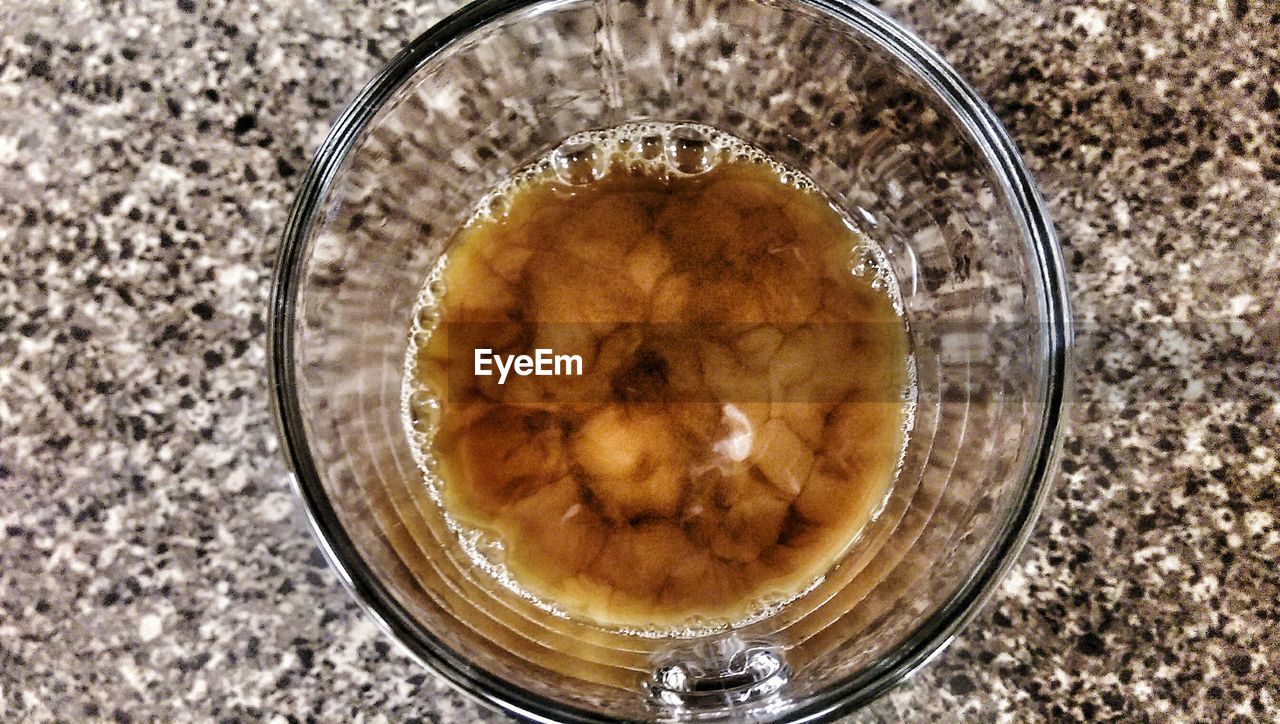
[{"x": 149, "y": 627}]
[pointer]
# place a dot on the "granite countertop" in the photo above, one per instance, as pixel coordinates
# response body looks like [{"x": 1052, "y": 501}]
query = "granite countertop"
[{"x": 153, "y": 563}]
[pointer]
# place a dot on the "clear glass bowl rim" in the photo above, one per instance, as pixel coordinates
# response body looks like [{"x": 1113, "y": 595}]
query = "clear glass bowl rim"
[{"x": 932, "y": 635}]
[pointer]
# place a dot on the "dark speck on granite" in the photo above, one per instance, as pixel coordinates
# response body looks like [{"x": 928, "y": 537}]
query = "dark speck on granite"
[{"x": 154, "y": 565}]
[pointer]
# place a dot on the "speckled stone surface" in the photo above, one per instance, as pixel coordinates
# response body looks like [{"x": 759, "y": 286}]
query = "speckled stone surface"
[{"x": 153, "y": 563}]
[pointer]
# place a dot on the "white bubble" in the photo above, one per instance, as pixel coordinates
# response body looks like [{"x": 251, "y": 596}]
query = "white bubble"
[
  {"x": 426, "y": 316},
  {"x": 424, "y": 410},
  {"x": 690, "y": 150},
  {"x": 651, "y": 147},
  {"x": 497, "y": 206},
  {"x": 580, "y": 163}
]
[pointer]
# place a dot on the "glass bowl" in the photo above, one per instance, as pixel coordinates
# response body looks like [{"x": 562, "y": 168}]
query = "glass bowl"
[{"x": 834, "y": 89}]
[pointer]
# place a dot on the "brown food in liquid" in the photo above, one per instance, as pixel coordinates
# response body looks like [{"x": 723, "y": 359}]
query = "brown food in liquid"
[{"x": 698, "y": 504}]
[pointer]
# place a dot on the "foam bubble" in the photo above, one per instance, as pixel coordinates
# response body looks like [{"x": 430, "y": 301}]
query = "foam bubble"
[
  {"x": 424, "y": 410},
  {"x": 580, "y": 163},
  {"x": 498, "y": 206},
  {"x": 690, "y": 150},
  {"x": 651, "y": 146}
]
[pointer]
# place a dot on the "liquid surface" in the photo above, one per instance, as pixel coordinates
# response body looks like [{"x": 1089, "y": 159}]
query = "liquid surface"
[{"x": 740, "y": 413}]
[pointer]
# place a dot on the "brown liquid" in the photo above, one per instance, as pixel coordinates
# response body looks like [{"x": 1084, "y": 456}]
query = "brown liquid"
[{"x": 740, "y": 416}]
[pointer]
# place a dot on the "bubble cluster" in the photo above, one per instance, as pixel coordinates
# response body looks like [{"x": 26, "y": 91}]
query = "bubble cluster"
[
  {"x": 580, "y": 163},
  {"x": 649, "y": 148}
]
